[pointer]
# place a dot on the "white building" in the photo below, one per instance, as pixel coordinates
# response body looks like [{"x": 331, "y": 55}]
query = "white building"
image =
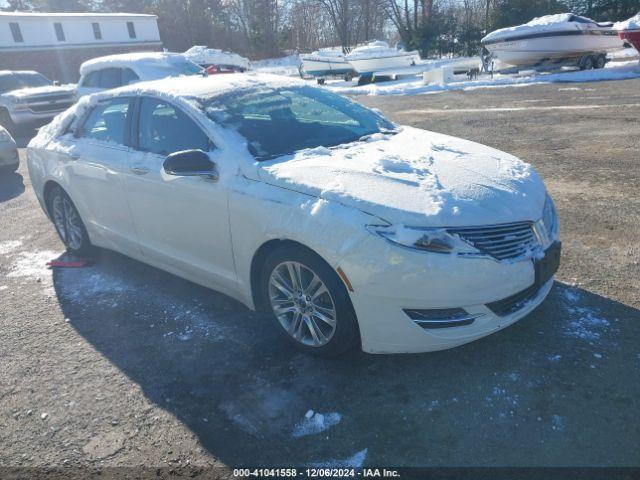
[{"x": 55, "y": 44}]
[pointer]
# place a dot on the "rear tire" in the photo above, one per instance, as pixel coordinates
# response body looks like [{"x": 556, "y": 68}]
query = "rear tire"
[
  {"x": 601, "y": 61},
  {"x": 68, "y": 224},
  {"x": 308, "y": 302}
]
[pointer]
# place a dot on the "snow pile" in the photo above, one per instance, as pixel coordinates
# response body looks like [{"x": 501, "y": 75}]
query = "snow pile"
[
  {"x": 211, "y": 56},
  {"x": 632, "y": 23},
  {"x": 415, "y": 85},
  {"x": 416, "y": 178},
  {"x": 548, "y": 23},
  {"x": 331, "y": 53},
  {"x": 314, "y": 422}
]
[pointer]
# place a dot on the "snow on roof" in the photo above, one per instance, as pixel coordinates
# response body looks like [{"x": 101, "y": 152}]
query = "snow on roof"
[
  {"x": 324, "y": 54},
  {"x": 203, "y": 55},
  {"x": 63, "y": 15},
  {"x": 632, "y": 23},
  {"x": 202, "y": 88},
  {"x": 547, "y": 23},
  {"x": 124, "y": 60}
]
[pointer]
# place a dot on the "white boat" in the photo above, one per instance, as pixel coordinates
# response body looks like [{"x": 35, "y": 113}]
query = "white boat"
[
  {"x": 378, "y": 56},
  {"x": 326, "y": 62},
  {"x": 553, "y": 38},
  {"x": 214, "y": 58}
]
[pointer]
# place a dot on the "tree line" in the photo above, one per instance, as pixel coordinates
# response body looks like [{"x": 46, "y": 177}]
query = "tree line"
[{"x": 269, "y": 28}]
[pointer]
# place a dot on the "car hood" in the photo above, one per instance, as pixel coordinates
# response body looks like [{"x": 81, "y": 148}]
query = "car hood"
[
  {"x": 416, "y": 178},
  {"x": 40, "y": 91}
]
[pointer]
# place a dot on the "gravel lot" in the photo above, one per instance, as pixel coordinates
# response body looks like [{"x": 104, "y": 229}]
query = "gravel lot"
[{"x": 120, "y": 364}]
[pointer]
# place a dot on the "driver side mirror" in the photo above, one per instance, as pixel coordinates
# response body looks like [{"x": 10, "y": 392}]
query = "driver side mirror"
[{"x": 190, "y": 163}]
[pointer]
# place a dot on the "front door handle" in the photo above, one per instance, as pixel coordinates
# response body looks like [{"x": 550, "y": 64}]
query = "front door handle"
[{"x": 140, "y": 170}]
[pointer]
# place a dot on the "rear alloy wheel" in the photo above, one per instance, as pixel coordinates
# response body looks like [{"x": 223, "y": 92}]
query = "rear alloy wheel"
[
  {"x": 309, "y": 302},
  {"x": 68, "y": 223}
]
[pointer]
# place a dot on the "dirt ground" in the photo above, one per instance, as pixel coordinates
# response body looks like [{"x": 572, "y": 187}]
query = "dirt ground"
[{"x": 120, "y": 364}]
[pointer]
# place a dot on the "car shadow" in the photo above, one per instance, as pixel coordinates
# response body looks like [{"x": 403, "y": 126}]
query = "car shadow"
[
  {"x": 11, "y": 185},
  {"x": 552, "y": 389}
]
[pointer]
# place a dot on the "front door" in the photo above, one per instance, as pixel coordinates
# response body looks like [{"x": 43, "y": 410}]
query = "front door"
[{"x": 182, "y": 222}]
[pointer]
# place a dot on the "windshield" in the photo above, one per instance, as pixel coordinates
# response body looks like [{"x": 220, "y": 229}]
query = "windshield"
[
  {"x": 16, "y": 81},
  {"x": 281, "y": 121}
]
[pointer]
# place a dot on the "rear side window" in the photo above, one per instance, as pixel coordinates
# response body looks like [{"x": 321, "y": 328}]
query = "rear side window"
[
  {"x": 97, "y": 33},
  {"x": 129, "y": 76},
  {"x": 132, "y": 29},
  {"x": 107, "y": 121},
  {"x": 110, "y": 78},
  {"x": 92, "y": 80},
  {"x": 16, "y": 33},
  {"x": 59, "y": 32},
  {"x": 165, "y": 129}
]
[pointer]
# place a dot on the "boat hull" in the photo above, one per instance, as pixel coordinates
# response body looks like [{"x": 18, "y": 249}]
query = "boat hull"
[
  {"x": 553, "y": 46},
  {"x": 631, "y": 36},
  {"x": 376, "y": 64},
  {"x": 325, "y": 68}
]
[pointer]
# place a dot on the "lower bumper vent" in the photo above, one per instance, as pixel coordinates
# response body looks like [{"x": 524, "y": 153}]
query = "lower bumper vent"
[{"x": 441, "y": 317}]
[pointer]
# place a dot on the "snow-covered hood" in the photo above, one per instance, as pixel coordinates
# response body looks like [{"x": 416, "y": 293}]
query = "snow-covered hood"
[
  {"x": 416, "y": 178},
  {"x": 47, "y": 90}
]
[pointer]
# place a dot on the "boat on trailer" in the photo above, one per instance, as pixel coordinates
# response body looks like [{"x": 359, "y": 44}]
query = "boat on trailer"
[
  {"x": 554, "y": 39},
  {"x": 629, "y": 31},
  {"x": 377, "y": 56},
  {"x": 326, "y": 62}
]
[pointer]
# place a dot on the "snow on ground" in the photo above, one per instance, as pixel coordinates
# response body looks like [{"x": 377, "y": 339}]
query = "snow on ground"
[
  {"x": 278, "y": 66},
  {"x": 9, "y": 246},
  {"x": 314, "y": 422},
  {"x": 414, "y": 85}
]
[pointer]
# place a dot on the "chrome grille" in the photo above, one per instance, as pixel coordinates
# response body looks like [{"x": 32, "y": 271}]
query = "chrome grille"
[{"x": 500, "y": 241}]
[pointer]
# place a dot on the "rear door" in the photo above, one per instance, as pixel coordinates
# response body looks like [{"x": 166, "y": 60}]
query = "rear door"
[
  {"x": 96, "y": 166},
  {"x": 182, "y": 222}
]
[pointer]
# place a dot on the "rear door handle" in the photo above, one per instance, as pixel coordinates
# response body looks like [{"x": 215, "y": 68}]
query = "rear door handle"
[{"x": 140, "y": 170}]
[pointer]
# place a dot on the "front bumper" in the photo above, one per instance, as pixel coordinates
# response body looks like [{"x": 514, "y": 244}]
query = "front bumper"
[
  {"x": 487, "y": 289},
  {"x": 29, "y": 117}
]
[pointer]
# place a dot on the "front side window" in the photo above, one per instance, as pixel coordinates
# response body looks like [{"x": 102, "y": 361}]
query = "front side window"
[
  {"x": 97, "y": 33},
  {"x": 110, "y": 78},
  {"x": 16, "y": 33},
  {"x": 107, "y": 121},
  {"x": 309, "y": 117},
  {"x": 129, "y": 76},
  {"x": 165, "y": 129},
  {"x": 132, "y": 29},
  {"x": 59, "y": 32}
]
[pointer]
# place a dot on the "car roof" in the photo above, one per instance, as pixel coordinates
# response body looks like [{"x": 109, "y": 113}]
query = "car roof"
[
  {"x": 203, "y": 88},
  {"x": 12, "y": 72},
  {"x": 129, "y": 60}
]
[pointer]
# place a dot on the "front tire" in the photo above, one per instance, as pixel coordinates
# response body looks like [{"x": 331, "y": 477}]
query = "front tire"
[
  {"x": 68, "y": 223},
  {"x": 308, "y": 302}
]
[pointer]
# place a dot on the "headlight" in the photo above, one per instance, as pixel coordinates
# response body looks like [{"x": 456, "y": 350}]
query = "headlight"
[
  {"x": 550, "y": 218},
  {"x": 436, "y": 240}
]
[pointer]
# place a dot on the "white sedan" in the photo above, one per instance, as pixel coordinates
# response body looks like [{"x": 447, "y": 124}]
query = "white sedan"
[{"x": 349, "y": 229}]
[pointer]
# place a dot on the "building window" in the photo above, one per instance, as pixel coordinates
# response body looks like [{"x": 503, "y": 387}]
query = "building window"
[
  {"x": 97, "y": 33},
  {"x": 132, "y": 29},
  {"x": 15, "y": 31},
  {"x": 59, "y": 32}
]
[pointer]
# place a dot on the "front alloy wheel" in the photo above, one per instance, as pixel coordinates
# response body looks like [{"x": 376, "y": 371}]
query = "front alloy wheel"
[
  {"x": 302, "y": 304},
  {"x": 310, "y": 303}
]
